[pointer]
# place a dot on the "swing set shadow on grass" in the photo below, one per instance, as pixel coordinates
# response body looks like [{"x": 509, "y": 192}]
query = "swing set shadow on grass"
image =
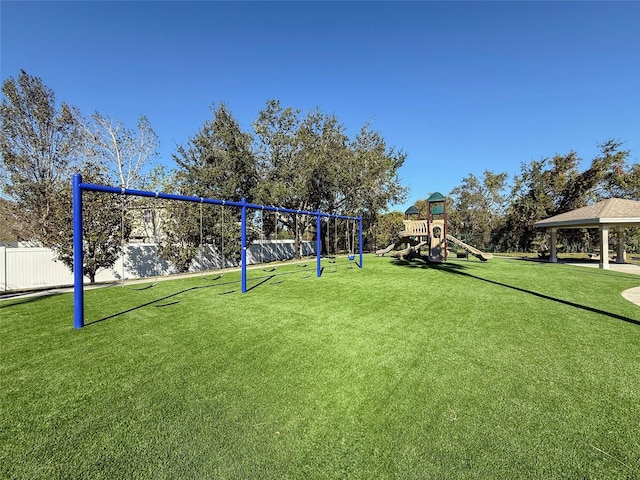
[
  {"x": 457, "y": 269},
  {"x": 166, "y": 301}
]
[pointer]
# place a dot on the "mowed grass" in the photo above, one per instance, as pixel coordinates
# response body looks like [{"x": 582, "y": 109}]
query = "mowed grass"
[{"x": 505, "y": 369}]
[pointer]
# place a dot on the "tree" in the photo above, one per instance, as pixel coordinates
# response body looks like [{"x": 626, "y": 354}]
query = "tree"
[
  {"x": 311, "y": 164},
  {"x": 289, "y": 165},
  {"x": 40, "y": 142},
  {"x": 217, "y": 162},
  {"x": 124, "y": 152},
  {"x": 555, "y": 185},
  {"x": 623, "y": 181},
  {"x": 9, "y": 222},
  {"x": 535, "y": 195},
  {"x": 159, "y": 179},
  {"x": 180, "y": 240},
  {"x": 102, "y": 232},
  {"x": 41, "y": 145},
  {"x": 477, "y": 208},
  {"x": 372, "y": 180},
  {"x": 620, "y": 179},
  {"x": 387, "y": 228}
]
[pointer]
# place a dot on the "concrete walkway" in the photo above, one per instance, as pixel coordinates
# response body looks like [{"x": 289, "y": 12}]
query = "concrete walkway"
[
  {"x": 615, "y": 267},
  {"x": 633, "y": 295}
]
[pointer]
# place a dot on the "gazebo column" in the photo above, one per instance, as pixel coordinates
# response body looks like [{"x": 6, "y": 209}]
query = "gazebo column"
[
  {"x": 620, "y": 254},
  {"x": 604, "y": 247},
  {"x": 553, "y": 235}
]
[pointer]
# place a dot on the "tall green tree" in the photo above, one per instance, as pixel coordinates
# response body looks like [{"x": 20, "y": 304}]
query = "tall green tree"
[
  {"x": 217, "y": 162},
  {"x": 387, "y": 228},
  {"x": 287, "y": 165},
  {"x": 477, "y": 208},
  {"x": 102, "y": 232},
  {"x": 372, "y": 182},
  {"x": 621, "y": 178},
  {"x": 535, "y": 194},
  {"x": 40, "y": 142},
  {"x": 310, "y": 163},
  {"x": 556, "y": 185}
]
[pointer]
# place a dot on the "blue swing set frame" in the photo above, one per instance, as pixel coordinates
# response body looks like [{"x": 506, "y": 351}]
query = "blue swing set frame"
[{"x": 78, "y": 187}]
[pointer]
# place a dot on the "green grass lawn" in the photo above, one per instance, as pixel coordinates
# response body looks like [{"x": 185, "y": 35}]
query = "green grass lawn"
[{"x": 498, "y": 370}]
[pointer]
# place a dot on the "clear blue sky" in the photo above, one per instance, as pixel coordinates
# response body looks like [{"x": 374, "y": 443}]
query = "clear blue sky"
[{"x": 459, "y": 86}]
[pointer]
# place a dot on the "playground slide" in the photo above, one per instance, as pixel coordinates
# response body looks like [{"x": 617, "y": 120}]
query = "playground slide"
[
  {"x": 473, "y": 251},
  {"x": 383, "y": 251},
  {"x": 393, "y": 246},
  {"x": 401, "y": 254}
]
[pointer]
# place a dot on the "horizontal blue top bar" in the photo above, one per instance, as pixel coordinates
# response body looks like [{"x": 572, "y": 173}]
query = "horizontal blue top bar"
[{"x": 91, "y": 187}]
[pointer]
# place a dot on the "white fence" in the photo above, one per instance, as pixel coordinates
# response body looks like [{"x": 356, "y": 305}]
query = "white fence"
[{"x": 24, "y": 268}]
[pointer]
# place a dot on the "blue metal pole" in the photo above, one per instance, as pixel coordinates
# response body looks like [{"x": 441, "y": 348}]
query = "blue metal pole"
[
  {"x": 318, "y": 245},
  {"x": 243, "y": 243},
  {"x": 78, "y": 291},
  {"x": 360, "y": 240},
  {"x": 186, "y": 198}
]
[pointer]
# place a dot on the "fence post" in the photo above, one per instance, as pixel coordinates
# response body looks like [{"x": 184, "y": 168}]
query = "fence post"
[{"x": 78, "y": 291}]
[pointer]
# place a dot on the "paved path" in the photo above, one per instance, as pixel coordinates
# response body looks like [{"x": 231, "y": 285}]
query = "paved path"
[
  {"x": 633, "y": 295},
  {"x": 616, "y": 267}
]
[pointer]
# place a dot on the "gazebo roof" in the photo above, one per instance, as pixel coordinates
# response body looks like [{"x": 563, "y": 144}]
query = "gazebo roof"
[{"x": 614, "y": 211}]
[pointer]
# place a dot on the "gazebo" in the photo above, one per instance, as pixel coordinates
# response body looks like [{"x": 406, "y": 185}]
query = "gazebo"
[{"x": 614, "y": 213}]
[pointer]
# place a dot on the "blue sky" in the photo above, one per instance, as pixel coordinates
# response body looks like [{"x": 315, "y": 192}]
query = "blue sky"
[{"x": 459, "y": 86}]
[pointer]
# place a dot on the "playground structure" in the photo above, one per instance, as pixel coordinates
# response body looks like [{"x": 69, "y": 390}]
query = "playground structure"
[
  {"x": 78, "y": 187},
  {"x": 430, "y": 234}
]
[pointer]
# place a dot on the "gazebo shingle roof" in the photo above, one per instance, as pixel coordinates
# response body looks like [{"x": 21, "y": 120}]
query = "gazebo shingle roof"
[{"x": 614, "y": 211}]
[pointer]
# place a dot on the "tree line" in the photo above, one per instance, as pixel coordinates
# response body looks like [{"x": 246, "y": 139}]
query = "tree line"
[
  {"x": 290, "y": 159},
  {"x": 495, "y": 213},
  {"x": 301, "y": 161}
]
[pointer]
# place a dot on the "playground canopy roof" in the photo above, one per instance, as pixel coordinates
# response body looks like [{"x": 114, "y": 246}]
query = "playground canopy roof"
[
  {"x": 412, "y": 210},
  {"x": 613, "y": 211},
  {"x": 436, "y": 197}
]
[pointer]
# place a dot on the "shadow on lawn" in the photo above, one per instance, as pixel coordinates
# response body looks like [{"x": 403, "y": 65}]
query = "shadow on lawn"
[
  {"x": 155, "y": 303},
  {"x": 458, "y": 269},
  {"x": 163, "y": 301},
  {"x": 12, "y": 300}
]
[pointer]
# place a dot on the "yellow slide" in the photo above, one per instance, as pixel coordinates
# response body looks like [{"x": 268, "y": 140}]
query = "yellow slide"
[{"x": 473, "y": 251}]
